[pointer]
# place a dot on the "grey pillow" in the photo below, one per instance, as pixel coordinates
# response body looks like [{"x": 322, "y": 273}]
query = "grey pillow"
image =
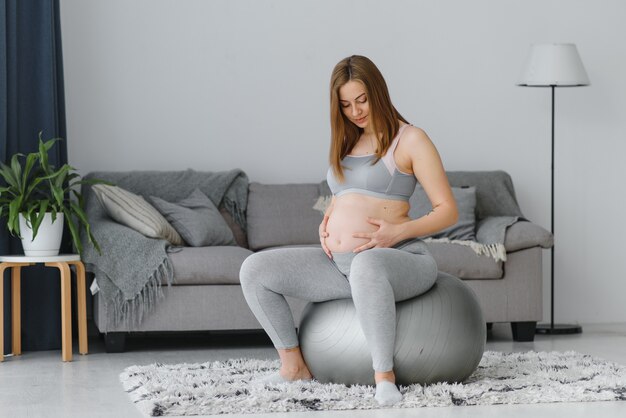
[
  {"x": 196, "y": 219},
  {"x": 465, "y": 228}
]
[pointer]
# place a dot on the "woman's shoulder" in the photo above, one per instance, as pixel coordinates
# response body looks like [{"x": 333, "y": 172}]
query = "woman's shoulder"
[{"x": 414, "y": 135}]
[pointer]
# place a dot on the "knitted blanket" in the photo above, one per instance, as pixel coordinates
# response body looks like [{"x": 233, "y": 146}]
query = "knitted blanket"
[{"x": 129, "y": 287}]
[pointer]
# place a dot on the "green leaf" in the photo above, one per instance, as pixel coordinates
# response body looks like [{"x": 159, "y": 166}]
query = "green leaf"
[
  {"x": 14, "y": 227},
  {"x": 38, "y": 218},
  {"x": 57, "y": 192},
  {"x": 13, "y": 215},
  {"x": 9, "y": 176},
  {"x": 49, "y": 143},
  {"x": 6, "y": 173},
  {"x": 70, "y": 177},
  {"x": 43, "y": 154},
  {"x": 30, "y": 162},
  {"x": 16, "y": 167},
  {"x": 44, "y": 147},
  {"x": 81, "y": 215},
  {"x": 50, "y": 175},
  {"x": 81, "y": 199},
  {"x": 73, "y": 231},
  {"x": 62, "y": 174},
  {"x": 31, "y": 220}
]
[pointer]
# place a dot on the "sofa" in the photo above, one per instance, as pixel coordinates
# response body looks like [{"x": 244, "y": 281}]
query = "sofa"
[{"x": 205, "y": 294}]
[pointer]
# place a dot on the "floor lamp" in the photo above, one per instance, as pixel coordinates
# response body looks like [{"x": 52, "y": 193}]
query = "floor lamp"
[{"x": 554, "y": 65}]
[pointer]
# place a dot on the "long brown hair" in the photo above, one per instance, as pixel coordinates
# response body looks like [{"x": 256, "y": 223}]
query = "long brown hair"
[{"x": 383, "y": 116}]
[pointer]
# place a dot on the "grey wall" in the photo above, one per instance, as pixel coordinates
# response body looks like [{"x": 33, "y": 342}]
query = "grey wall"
[{"x": 213, "y": 85}]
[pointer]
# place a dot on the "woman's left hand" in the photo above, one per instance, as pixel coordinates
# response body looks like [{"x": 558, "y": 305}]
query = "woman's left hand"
[{"x": 386, "y": 236}]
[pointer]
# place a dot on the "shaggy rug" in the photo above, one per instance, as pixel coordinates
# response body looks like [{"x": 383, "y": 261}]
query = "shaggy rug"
[{"x": 501, "y": 378}]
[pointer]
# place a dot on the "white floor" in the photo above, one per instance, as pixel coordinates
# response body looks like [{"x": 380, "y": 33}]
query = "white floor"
[{"x": 38, "y": 384}]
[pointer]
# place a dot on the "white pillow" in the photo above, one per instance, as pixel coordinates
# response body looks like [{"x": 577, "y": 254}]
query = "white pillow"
[{"x": 135, "y": 212}]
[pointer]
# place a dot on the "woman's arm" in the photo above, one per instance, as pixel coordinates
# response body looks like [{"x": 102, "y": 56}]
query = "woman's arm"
[{"x": 428, "y": 169}]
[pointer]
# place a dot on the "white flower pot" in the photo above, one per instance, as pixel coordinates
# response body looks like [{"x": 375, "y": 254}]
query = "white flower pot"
[{"x": 48, "y": 239}]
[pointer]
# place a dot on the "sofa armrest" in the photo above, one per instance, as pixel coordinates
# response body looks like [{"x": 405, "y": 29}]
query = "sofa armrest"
[{"x": 524, "y": 234}]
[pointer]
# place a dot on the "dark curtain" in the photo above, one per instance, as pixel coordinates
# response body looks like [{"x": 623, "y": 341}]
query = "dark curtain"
[{"x": 32, "y": 100}]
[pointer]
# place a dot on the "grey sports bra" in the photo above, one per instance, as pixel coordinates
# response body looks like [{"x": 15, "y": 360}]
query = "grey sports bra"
[{"x": 382, "y": 180}]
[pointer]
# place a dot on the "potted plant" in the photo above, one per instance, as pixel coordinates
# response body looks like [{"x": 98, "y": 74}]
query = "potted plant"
[{"x": 36, "y": 199}]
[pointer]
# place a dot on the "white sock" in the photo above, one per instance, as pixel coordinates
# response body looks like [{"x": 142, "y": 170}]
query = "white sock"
[{"x": 387, "y": 393}]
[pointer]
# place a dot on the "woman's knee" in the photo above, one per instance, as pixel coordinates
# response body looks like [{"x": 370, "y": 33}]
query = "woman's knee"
[{"x": 253, "y": 268}]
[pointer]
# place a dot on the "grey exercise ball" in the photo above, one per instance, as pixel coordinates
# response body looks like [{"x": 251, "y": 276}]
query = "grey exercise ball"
[{"x": 440, "y": 337}]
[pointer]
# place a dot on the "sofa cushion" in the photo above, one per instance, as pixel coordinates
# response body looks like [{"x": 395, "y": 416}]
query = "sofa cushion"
[
  {"x": 135, "y": 212},
  {"x": 196, "y": 219},
  {"x": 282, "y": 214},
  {"x": 207, "y": 265},
  {"x": 464, "y": 228},
  {"x": 459, "y": 260},
  {"x": 463, "y": 262}
]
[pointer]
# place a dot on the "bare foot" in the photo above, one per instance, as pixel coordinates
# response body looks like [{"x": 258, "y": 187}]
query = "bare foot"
[
  {"x": 292, "y": 374},
  {"x": 293, "y": 366}
]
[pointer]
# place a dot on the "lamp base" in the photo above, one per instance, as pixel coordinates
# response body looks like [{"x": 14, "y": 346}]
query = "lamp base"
[{"x": 558, "y": 329}]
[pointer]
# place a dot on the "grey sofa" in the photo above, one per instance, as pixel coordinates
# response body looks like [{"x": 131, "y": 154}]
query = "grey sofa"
[{"x": 206, "y": 295}]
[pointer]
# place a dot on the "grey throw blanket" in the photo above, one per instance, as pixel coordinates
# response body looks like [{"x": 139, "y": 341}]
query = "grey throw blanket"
[
  {"x": 132, "y": 267},
  {"x": 496, "y": 209}
]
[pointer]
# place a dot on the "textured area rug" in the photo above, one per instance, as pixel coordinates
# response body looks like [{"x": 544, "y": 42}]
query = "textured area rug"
[{"x": 501, "y": 378}]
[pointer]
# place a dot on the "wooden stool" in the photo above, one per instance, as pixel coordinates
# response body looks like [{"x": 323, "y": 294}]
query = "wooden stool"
[{"x": 63, "y": 263}]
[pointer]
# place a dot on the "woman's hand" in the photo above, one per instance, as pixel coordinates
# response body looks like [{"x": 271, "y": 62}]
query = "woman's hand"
[
  {"x": 323, "y": 235},
  {"x": 386, "y": 236}
]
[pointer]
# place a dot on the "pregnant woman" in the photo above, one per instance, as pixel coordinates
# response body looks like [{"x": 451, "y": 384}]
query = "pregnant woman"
[{"x": 370, "y": 250}]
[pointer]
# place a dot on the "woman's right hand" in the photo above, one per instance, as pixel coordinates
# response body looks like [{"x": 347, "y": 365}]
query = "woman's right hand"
[{"x": 323, "y": 235}]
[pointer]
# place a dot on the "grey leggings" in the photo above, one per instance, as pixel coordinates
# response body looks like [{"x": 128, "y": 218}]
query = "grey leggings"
[{"x": 375, "y": 279}]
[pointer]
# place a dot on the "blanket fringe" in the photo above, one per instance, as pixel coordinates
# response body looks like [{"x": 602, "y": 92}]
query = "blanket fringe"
[
  {"x": 495, "y": 251},
  {"x": 238, "y": 213},
  {"x": 132, "y": 311}
]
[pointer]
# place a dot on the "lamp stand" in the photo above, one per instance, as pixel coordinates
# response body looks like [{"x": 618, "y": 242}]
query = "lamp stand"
[{"x": 553, "y": 328}]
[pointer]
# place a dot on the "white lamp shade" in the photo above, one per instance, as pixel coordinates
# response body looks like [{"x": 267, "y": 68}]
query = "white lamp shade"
[{"x": 554, "y": 65}]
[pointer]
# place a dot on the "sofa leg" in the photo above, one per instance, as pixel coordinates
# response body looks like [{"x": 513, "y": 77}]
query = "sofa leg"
[
  {"x": 115, "y": 342},
  {"x": 523, "y": 331}
]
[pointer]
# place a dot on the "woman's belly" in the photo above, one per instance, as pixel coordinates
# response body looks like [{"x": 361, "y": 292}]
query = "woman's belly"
[{"x": 350, "y": 216}]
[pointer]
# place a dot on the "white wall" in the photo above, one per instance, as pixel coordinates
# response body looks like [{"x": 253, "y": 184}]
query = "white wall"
[{"x": 214, "y": 85}]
